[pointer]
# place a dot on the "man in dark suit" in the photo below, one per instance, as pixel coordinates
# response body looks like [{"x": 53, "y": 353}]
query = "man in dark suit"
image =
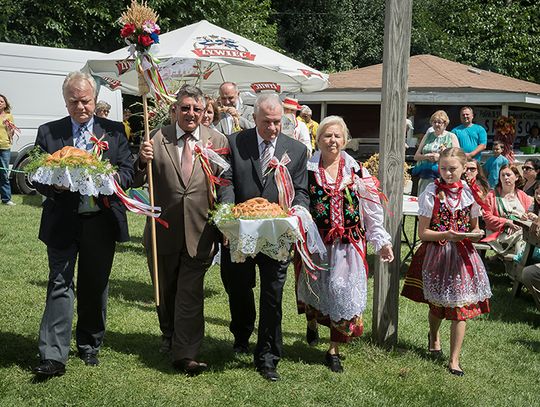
[
  {"x": 186, "y": 248},
  {"x": 74, "y": 226},
  {"x": 250, "y": 150}
]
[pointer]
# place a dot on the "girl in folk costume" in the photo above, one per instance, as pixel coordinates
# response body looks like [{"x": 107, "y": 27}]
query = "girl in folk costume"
[
  {"x": 446, "y": 271},
  {"x": 345, "y": 205}
]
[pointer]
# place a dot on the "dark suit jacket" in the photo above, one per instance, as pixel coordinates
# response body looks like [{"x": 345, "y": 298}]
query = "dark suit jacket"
[
  {"x": 246, "y": 176},
  {"x": 60, "y": 221},
  {"x": 183, "y": 207}
]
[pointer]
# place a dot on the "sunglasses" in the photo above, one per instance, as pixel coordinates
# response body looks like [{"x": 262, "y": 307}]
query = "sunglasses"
[
  {"x": 196, "y": 110},
  {"x": 471, "y": 169},
  {"x": 527, "y": 168}
]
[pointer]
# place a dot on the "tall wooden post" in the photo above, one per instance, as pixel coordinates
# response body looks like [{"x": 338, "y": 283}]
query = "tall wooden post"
[{"x": 397, "y": 40}]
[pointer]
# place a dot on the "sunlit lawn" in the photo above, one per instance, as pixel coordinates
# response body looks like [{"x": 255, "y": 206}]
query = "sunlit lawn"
[{"x": 501, "y": 355}]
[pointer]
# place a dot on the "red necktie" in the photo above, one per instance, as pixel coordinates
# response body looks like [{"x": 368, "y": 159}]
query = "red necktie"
[{"x": 186, "y": 164}]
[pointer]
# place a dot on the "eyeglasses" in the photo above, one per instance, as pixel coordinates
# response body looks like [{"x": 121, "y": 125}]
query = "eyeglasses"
[
  {"x": 437, "y": 122},
  {"x": 527, "y": 168},
  {"x": 196, "y": 110},
  {"x": 471, "y": 169}
]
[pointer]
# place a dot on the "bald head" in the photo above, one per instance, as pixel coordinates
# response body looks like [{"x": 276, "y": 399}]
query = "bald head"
[{"x": 228, "y": 94}]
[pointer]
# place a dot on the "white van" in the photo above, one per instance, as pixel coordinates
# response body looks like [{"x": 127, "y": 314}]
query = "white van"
[{"x": 31, "y": 78}]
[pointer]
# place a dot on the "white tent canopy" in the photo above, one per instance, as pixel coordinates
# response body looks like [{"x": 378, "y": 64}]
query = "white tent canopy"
[{"x": 206, "y": 55}]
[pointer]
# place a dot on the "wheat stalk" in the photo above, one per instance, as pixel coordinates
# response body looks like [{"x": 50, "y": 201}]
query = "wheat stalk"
[{"x": 137, "y": 13}]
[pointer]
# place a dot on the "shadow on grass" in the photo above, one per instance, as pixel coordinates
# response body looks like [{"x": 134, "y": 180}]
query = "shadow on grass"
[
  {"x": 533, "y": 346},
  {"x": 135, "y": 245},
  {"x": 17, "y": 350},
  {"x": 506, "y": 308},
  {"x": 136, "y": 291},
  {"x": 217, "y": 353}
]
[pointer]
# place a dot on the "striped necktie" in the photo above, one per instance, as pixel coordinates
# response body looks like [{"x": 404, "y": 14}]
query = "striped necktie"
[
  {"x": 266, "y": 156},
  {"x": 80, "y": 139}
]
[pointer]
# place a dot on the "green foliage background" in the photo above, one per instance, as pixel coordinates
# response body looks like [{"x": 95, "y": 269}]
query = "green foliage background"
[{"x": 332, "y": 35}]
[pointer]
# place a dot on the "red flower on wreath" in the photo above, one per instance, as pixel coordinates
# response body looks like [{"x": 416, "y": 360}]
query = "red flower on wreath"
[
  {"x": 145, "y": 40},
  {"x": 127, "y": 30}
]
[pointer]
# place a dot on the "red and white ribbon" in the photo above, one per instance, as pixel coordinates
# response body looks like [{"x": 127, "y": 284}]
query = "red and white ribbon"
[
  {"x": 310, "y": 242},
  {"x": 283, "y": 180},
  {"x": 11, "y": 126},
  {"x": 208, "y": 155},
  {"x": 136, "y": 206},
  {"x": 99, "y": 145}
]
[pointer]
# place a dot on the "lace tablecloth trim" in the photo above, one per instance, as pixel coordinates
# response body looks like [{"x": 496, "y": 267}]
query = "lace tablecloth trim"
[
  {"x": 272, "y": 237},
  {"x": 76, "y": 179}
]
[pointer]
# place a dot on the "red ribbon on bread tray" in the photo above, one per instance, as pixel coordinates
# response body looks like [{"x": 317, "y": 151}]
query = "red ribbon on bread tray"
[
  {"x": 137, "y": 206},
  {"x": 208, "y": 155},
  {"x": 99, "y": 145},
  {"x": 283, "y": 180},
  {"x": 285, "y": 187},
  {"x": 302, "y": 249}
]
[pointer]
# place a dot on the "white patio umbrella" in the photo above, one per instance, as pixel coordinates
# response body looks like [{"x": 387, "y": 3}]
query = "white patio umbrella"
[{"x": 206, "y": 55}]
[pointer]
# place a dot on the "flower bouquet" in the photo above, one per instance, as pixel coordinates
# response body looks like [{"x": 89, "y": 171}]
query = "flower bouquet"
[
  {"x": 257, "y": 226},
  {"x": 140, "y": 31}
]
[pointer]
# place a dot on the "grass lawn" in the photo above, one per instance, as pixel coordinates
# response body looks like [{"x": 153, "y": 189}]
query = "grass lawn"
[{"x": 501, "y": 354}]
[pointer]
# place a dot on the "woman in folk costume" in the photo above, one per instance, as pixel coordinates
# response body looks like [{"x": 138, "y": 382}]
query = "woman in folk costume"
[
  {"x": 446, "y": 271},
  {"x": 345, "y": 205}
]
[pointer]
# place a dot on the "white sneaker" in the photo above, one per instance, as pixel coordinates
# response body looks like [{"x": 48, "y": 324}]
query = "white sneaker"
[{"x": 9, "y": 203}]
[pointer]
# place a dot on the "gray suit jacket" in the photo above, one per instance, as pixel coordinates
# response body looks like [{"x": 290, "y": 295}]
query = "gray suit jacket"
[
  {"x": 246, "y": 175},
  {"x": 246, "y": 120}
]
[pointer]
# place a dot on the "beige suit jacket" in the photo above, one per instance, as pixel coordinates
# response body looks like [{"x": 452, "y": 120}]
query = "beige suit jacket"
[{"x": 184, "y": 207}]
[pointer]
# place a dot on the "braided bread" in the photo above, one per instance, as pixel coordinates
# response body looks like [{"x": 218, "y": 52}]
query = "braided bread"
[
  {"x": 257, "y": 208},
  {"x": 71, "y": 155}
]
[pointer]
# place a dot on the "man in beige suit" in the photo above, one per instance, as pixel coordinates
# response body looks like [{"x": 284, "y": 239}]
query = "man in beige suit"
[{"x": 186, "y": 248}]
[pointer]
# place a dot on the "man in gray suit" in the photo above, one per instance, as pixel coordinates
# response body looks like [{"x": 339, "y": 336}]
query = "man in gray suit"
[
  {"x": 234, "y": 115},
  {"x": 250, "y": 151}
]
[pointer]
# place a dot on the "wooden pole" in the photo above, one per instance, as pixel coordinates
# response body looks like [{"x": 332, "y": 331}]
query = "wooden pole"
[
  {"x": 397, "y": 39},
  {"x": 151, "y": 195}
]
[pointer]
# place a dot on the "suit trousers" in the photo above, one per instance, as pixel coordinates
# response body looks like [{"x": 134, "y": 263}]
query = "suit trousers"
[
  {"x": 95, "y": 250},
  {"x": 181, "y": 309},
  {"x": 272, "y": 274}
]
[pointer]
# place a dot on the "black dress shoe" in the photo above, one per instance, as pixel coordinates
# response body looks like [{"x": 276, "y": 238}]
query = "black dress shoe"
[
  {"x": 190, "y": 366},
  {"x": 312, "y": 336},
  {"x": 269, "y": 374},
  {"x": 333, "y": 362},
  {"x": 456, "y": 372},
  {"x": 89, "y": 359},
  {"x": 49, "y": 367},
  {"x": 241, "y": 348}
]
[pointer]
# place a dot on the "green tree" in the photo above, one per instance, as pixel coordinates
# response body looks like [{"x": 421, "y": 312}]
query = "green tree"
[
  {"x": 502, "y": 36},
  {"x": 498, "y": 35},
  {"x": 91, "y": 24},
  {"x": 331, "y": 35}
]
